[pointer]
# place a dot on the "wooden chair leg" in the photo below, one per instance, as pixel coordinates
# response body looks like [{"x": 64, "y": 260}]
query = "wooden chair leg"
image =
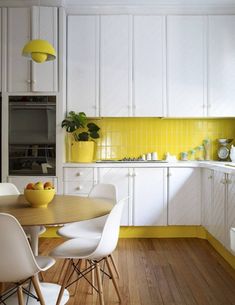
[
  {"x": 66, "y": 277},
  {"x": 113, "y": 279},
  {"x": 100, "y": 287},
  {"x": 20, "y": 295},
  {"x": 114, "y": 265},
  {"x": 61, "y": 271},
  {"x": 38, "y": 290}
]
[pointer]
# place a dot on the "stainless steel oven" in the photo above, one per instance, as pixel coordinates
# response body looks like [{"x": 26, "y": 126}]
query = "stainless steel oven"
[{"x": 32, "y": 135}]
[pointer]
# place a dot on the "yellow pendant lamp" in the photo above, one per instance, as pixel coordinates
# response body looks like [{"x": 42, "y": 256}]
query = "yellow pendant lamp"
[{"x": 39, "y": 50}]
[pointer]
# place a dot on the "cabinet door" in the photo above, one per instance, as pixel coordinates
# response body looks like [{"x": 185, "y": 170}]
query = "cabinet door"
[
  {"x": 21, "y": 181},
  {"x": 185, "y": 65},
  {"x": 82, "y": 64},
  {"x": 218, "y": 206},
  {"x": 150, "y": 197},
  {"x": 44, "y": 26},
  {"x": 231, "y": 207},
  {"x": 18, "y": 31},
  {"x": 115, "y": 65},
  {"x": 207, "y": 187},
  {"x": 148, "y": 69},
  {"x": 120, "y": 178},
  {"x": 184, "y": 196},
  {"x": 221, "y": 66}
]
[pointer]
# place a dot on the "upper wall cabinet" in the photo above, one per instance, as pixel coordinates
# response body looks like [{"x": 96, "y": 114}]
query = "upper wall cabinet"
[
  {"x": 221, "y": 66},
  {"x": 24, "y": 24},
  {"x": 149, "y": 66},
  {"x": 99, "y": 65},
  {"x": 83, "y": 64},
  {"x": 185, "y": 66},
  {"x": 115, "y": 65}
]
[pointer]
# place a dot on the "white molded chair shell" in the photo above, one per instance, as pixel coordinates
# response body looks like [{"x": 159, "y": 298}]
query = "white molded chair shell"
[
  {"x": 106, "y": 191},
  {"x": 8, "y": 189},
  {"x": 91, "y": 228},
  {"x": 94, "y": 249},
  {"x": 17, "y": 260}
]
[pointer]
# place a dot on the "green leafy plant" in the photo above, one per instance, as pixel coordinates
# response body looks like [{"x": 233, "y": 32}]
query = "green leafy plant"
[{"x": 75, "y": 121}]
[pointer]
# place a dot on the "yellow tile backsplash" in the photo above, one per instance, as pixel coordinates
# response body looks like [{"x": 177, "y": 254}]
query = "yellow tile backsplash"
[{"x": 132, "y": 137}]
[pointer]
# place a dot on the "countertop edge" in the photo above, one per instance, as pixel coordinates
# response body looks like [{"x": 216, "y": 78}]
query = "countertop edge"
[{"x": 213, "y": 165}]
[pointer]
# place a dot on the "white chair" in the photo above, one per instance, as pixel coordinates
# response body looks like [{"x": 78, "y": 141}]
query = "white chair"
[
  {"x": 7, "y": 189},
  {"x": 18, "y": 264},
  {"x": 92, "y": 228},
  {"x": 93, "y": 250}
]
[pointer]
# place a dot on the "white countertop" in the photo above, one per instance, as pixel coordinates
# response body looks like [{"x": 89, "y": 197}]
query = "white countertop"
[{"x": 226, "y": 167}]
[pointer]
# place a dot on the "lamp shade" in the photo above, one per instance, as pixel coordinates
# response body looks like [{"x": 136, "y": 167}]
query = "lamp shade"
[{"x": 39, "y": 50}]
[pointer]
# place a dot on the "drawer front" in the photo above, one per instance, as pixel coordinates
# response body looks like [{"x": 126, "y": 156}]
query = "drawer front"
[
  {"x": 78, "y": 174},
  {"x": 77, "y": 187}
]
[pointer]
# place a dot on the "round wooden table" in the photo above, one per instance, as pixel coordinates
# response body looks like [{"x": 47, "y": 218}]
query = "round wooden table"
[{"x": 62, "y": 209}]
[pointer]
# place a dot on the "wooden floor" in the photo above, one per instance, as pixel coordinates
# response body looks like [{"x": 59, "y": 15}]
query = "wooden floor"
[{"x": 160, "y": 272}]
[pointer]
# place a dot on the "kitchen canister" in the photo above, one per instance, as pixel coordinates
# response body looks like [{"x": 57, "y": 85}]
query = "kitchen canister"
[{"x": 154, "y": 156}]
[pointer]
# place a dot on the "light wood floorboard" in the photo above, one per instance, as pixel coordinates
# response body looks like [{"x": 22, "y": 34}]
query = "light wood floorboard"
[{"x": 159, "y": 272}]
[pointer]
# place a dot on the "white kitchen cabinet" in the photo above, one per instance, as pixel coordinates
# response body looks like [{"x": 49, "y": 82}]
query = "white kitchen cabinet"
[
  {"x": 149, "y": 197},
  {"x": 207, "y": 190},
  {"x": 184, "y": 196},
  {"x": 186, "y": 54},
  {"x": 230, "y": 207},
  {"x": 83, "y": 64},
  {"x": 21, "y": 181},
  {"x": 218, "y": 213},
  {"x": 25, "y": 75},
  {"x": 221, "y": 66},
  {"x": 146, "y": 188},
  {"x": 148, "y": 66},
  {"x": 78, "y": 181},
  {"x": 115, "y": 65},
  {"x": 121, "y": 179}
]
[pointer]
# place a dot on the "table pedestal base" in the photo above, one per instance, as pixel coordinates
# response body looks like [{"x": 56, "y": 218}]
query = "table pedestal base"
[{"x": 50, "y": 293}]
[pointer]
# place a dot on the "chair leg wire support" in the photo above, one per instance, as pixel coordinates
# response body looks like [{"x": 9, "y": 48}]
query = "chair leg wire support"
[
  {"x": 7, "y": 294},
  {"x": 75, "y": 267}
]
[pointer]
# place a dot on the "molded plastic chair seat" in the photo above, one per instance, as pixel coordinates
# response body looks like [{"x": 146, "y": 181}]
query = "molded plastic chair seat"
[
  {"x": 18, "y": 263},
  {"x": 93, "y": 250},
  {"x": 10, "y": 189},
  {"x": 91, "y": 228}
]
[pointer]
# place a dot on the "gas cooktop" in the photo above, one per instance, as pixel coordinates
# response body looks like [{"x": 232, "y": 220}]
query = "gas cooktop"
[{"x": 130, "y": 160}]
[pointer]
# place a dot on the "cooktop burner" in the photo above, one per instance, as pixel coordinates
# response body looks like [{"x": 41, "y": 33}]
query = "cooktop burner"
[{"x": 129, "y": 160}]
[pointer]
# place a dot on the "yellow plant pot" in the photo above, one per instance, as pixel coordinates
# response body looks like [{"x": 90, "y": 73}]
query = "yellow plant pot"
[{"x": 82, "y": 151}]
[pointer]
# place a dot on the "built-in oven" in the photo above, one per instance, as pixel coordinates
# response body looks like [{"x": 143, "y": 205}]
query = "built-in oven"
[{"x": 32, "y": 135}]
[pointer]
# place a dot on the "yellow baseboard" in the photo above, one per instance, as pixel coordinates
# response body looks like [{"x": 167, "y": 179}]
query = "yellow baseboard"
[
  {"x": 166, "y": 232},
  {"x": 149, "y": 232}
]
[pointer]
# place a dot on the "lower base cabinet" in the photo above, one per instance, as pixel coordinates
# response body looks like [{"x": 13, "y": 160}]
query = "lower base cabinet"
[
  {"x": 146, "y": 188},
  {"x": 184, "y": 196}
]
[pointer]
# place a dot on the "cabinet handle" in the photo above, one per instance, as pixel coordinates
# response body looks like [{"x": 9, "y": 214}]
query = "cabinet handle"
[
  {"x": 33, "y": 81},
  {"x": 79, "y": 174},
  {"x": 223, "y": 181},
  {"x": 28, "y": 81},
  {"x": 79, "y": 188},
  {"x": 169, "y": 174},
  {"x": 210, "y": 177}
]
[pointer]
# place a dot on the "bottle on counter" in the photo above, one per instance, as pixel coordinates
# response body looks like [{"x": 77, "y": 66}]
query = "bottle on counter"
[
  {"x": 200, "y": 153},
  {"x": 192, "y": 153},
  {"x": 207, "y": 148}
]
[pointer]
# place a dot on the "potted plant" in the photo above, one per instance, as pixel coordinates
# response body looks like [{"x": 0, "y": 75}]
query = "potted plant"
[{"x": 83, "y": 134}]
